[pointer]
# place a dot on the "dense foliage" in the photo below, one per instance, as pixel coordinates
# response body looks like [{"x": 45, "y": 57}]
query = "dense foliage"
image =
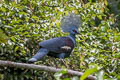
[{"x": 24, "y": 23}]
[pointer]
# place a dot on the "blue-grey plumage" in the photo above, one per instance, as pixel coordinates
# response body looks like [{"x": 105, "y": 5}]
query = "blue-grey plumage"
[
  {"x": 60, "y": 47},
  {"x": 40, "y": 54}
]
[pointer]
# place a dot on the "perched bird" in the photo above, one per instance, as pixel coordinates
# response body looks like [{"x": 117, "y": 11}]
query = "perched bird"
[{"x": 60, "y": 47}]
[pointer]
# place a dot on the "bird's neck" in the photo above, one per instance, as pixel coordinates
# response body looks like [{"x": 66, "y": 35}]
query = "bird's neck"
[{"x": 72, "y": 37}]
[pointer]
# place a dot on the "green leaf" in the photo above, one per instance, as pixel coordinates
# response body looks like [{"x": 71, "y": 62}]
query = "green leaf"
[
  {"x": 35, "y": 17},
  {"x": 67, "y": 79},
  {"x": 16, "y": 48},
  {"x": 13, "y": 38},
  {"x": 106, "y": 3},
  {"x": 90, "y": 0},
  {"x": 75, "y": 78},
  {"x": 99, "y": 16},
  {"x": 59, "y": 74},
  {"x": 100, "y": 75},
  {"x": 88, "y": 72},
  {"x": 3, "y": 37}
]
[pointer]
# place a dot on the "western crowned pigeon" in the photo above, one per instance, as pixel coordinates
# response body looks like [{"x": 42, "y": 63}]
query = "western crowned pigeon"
[{"x": 60, "y": 47}]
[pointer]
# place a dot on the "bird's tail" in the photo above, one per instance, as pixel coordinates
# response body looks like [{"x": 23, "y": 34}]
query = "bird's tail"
[{"x": 40, "y": 54}]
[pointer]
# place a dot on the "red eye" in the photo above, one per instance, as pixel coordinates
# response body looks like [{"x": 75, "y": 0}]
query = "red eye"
[{"x": 75, "y": 31}]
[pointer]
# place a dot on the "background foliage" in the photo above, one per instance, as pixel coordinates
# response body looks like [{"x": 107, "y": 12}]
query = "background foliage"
[{"x": 24, "y": 23}]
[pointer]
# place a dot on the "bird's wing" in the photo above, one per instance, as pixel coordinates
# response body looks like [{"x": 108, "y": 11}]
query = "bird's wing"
[{"x": 58, "y": 45}]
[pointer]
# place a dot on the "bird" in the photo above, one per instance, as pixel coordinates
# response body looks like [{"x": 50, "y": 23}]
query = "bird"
[{"x": 60, "y": 47}]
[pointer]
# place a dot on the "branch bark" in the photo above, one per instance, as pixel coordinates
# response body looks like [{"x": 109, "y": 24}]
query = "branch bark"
[{"x": 41, "y": 67}]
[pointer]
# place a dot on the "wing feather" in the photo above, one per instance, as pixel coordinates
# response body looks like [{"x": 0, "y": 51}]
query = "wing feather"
[{"x": 58, "y": 45}]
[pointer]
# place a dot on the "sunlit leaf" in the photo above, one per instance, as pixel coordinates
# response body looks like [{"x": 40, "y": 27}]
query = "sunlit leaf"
[
  {"x": 100, "y": 75},
  {"x": 3, "y": 37},
  {"x": 88, "y": 72}
]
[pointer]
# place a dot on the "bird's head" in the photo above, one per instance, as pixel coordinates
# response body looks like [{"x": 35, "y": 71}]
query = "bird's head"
[
  {"x": 74, "y": 31},
  {"x": 71, "y": 23}
]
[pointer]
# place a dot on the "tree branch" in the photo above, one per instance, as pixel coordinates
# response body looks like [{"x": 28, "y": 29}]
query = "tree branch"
[{"x": 41, "y": 67}]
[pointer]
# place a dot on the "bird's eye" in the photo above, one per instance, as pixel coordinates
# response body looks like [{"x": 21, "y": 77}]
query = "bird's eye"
[{"x": 75, "y": 31}]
